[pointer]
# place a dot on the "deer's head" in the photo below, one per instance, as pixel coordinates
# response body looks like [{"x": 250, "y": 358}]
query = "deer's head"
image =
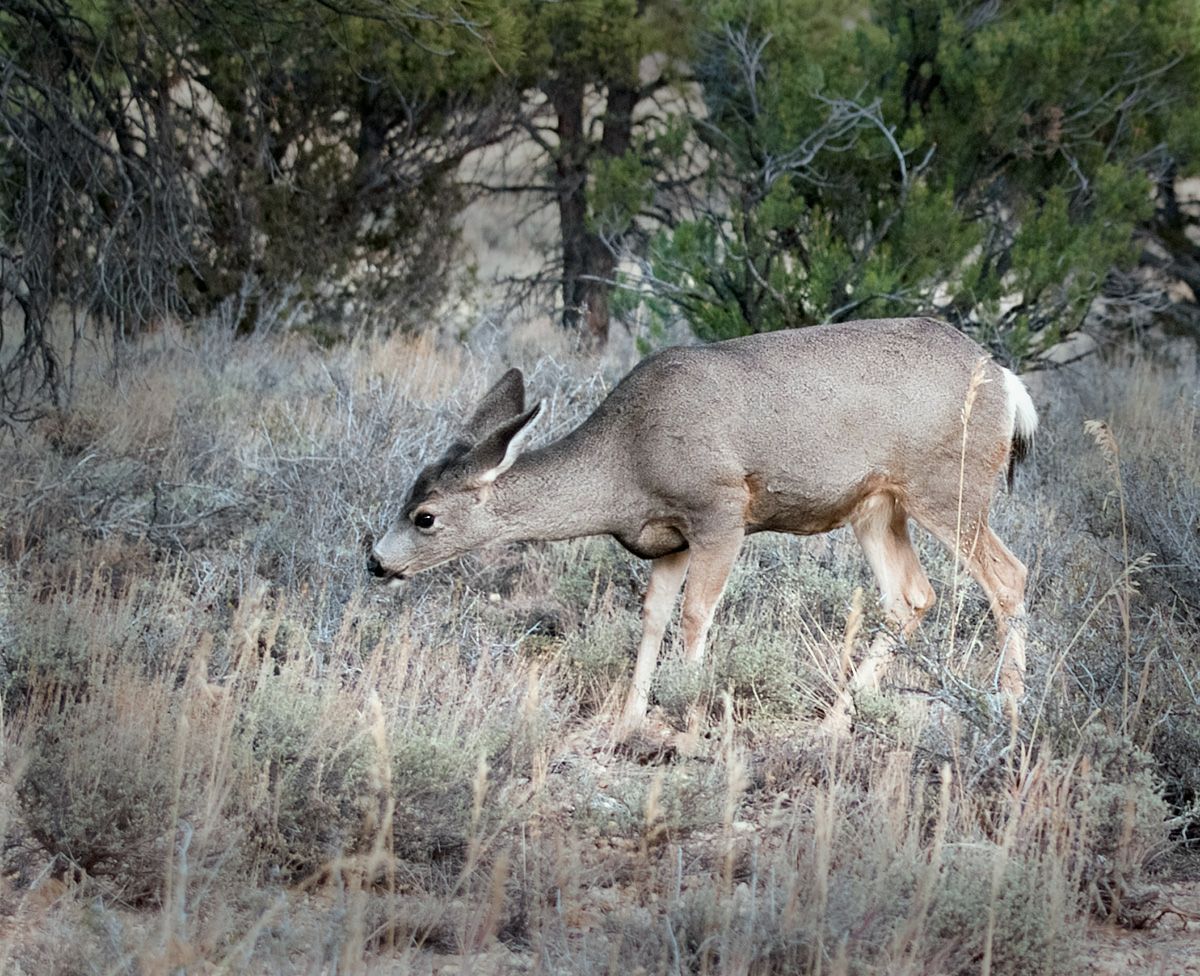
[{"x": 446, "y": 513}]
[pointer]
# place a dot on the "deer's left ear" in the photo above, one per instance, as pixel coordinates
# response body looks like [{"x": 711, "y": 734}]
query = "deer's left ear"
[
  {"x": 495, "y": 453},
  {"x": 503, "y": 402}
]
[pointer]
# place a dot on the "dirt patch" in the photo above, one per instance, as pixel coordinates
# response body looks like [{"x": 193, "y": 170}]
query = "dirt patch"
[{"x": 1169, "y": 946}]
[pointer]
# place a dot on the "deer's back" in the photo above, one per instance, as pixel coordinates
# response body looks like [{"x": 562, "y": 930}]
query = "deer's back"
[{"x": 804, "y": 419}]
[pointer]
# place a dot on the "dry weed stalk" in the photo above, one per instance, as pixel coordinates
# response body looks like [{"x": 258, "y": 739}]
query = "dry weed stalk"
[
  {"x": 1124, "y": 589},
  {"x": 838, "y": 718},
  {"x": 736, "y": 782},
  {"x": 909, "y": 940},
  {"x": 654, "y": 826},
  {"x": 978, "y": 379},
  {"x": 13, "y": 767},
  {"x": 380, "y": 815},
  {"x": 1004, "y": 854},
  {"x": 825, "y": 816}
]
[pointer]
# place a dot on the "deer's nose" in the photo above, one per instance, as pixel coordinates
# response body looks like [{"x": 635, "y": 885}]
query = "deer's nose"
[{"x": 374, "y": 567}]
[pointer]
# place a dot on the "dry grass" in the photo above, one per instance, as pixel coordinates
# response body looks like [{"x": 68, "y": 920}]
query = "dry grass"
[{"x": 224, "y": 752}]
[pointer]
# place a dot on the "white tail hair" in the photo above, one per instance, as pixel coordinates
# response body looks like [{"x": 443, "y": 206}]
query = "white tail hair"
[{"x": 1024, "y": 419}]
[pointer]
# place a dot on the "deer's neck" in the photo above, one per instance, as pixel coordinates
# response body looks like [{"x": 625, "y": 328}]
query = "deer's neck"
[{"x": 565, "y": 490}]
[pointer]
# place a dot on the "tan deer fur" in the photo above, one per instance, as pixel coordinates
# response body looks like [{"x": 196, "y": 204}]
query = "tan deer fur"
[{"x": 803, "y": 431}]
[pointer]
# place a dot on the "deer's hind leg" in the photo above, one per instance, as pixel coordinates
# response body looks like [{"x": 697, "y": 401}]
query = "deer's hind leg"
[
  {"x": 881, "y": 526},
  {"x": 1002, "y": 577}
]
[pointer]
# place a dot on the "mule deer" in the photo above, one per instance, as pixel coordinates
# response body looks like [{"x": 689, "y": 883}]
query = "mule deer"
[{"x": 860, "y": 423}]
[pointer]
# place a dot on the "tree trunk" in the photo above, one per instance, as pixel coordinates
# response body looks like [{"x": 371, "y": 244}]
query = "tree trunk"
[
  {"x": 600, "y": 259},
  {"x": 588, "y": 262},
  {"x": 372, "y": 137},
  {"x": 585, "y": 302}
]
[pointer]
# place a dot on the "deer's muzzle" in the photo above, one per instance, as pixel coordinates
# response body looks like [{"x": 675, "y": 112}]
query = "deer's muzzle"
[{"x": 379, "y": 571}]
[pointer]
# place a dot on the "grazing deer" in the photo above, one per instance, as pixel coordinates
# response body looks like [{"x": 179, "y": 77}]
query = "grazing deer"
[{"x": 803, "y": 431}]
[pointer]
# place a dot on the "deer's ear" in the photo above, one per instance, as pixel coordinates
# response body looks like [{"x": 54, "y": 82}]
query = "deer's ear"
[
  {"x": 503, "y": 402},
  {"x": 495, "y": 454}
]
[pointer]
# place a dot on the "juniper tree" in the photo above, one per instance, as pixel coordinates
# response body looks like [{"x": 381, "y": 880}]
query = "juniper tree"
[{"x": 989, "y": 162}]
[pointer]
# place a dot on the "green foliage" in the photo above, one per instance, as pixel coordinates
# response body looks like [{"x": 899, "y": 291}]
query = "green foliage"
[
  {"x": 590, "y": 38},
  {"x": 345, "y": 152},
  {"x": 1027, "y": 938},
  {"x": 596, "y": 658},
  {"x": 1120, "y": 798},
  {"x": 759, "y": 668},
  {"x": 936, "y": 158},
  {"x": 432, "y": 778},
  {"x": 623, "y": 188},
  {"x": 678, "y": 687},
  {"x": 587, "y": 57},
  {"x": 1069, "y": 257}
]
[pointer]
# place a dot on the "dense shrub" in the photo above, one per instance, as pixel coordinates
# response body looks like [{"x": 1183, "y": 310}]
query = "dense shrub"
[{"x": 988, "y": 162}]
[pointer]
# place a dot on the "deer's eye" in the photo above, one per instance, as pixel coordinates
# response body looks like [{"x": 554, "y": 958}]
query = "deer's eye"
[{"x": 423, "y": 520}]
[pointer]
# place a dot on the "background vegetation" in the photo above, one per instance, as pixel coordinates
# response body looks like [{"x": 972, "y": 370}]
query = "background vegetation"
[
  {"x": 748, "y": 167},
  {"x": 231, "y": 276}
]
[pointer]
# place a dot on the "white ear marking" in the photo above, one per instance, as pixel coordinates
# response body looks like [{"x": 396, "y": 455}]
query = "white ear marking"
[{"x": 513, "y": 451}]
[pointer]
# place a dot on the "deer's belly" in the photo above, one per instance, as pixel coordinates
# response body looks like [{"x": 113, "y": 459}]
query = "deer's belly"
[{"x": 774, "y": 507}]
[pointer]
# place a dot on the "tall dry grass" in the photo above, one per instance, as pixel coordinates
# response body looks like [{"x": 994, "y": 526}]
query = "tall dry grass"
[{"x": 223, "y": 751}]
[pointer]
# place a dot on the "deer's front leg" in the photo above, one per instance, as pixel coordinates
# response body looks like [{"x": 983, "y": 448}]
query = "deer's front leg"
[
  {"x": 666, "y": 576},
  {"x": 707, "y": 576},
  {"x": 712, "y": 559}
]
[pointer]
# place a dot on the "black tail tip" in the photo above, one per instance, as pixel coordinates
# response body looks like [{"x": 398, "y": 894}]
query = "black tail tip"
[{"x": 1021, "y": 448}]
